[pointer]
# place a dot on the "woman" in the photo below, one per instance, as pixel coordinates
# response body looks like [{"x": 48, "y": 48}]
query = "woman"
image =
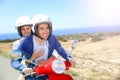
[
  {"x": 23, "y": 26},
  {"x": 24, "y": 29},
  {"x": 43, "y": 40}
]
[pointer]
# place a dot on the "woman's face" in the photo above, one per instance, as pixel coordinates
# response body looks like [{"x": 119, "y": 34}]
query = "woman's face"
[
  {"x": 26, "y": 31},
  {"x": 43, "y": 30}
]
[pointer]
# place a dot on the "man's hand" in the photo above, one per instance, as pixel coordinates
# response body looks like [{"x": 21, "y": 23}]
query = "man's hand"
[
  {"x": 27, "y": 71},
  {"x": 73, "y": 62}
]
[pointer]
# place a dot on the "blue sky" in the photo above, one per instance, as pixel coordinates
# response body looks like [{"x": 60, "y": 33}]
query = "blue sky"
[{"x": 64, "y": 13}]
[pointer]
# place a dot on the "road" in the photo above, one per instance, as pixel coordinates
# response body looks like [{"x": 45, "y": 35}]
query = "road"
[{"x": 6, "y": 71}]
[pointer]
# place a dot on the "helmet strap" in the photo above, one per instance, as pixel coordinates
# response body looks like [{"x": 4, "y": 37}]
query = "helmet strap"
[
  {"x": 19, "y": 31},
  {"x": 37, "y": 34}
]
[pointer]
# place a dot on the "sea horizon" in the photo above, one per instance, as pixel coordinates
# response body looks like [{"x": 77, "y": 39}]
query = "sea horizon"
[{"x": 61, "y": 32}]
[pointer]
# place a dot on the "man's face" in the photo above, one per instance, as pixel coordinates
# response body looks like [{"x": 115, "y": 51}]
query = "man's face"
[{"x": 43, "y": 30}]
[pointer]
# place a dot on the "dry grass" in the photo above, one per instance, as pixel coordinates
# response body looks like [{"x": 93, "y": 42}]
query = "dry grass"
[
  {"x": 95, "y": 61},
  {"x": 5, "y": 48}
]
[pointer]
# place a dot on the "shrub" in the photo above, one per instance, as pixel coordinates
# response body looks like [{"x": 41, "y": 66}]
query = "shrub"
[
  {"x": 7, "y": 40},
  {"x": 61, "y": 38},
  {"x": 96, "y": 38}
]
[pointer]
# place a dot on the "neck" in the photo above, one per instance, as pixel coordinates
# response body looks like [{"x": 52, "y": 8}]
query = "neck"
[{"x": 39, "y": 40}]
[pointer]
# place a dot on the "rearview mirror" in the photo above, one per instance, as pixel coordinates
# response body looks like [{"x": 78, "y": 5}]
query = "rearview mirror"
[{"x": 74, "y": 44}]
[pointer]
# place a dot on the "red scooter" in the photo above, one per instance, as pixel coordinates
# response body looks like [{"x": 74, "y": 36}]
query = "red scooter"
[{"x": 52, "y": 66}]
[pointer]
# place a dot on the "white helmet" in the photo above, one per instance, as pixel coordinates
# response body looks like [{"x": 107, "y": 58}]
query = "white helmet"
[
  {"x": 22, "y": 21},
  {"x": 39, "y": 19}
]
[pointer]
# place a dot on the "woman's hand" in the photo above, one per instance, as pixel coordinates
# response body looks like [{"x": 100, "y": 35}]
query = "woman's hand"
[
  {"x": 38, "y": 54},
  {"x": 41, "y": 62}
]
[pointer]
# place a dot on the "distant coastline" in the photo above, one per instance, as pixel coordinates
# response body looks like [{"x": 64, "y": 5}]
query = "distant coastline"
[{"x": 68, "y": 31}]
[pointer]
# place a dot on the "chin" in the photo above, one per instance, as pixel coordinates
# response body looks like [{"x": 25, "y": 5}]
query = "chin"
[{"x": 44, "y": 38}]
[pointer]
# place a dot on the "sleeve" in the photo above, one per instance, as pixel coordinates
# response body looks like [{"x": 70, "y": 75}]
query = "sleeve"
[
  {"x": 61, "y": 50},
  {"x": 26, "y": 48},
  {"x": 16, "y": 44},
  {"x": 16, "y": 64},
  {"x": 55, "y": 53}
]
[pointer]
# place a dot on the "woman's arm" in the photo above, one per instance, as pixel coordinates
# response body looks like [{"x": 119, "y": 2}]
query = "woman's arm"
[{"x": 41, "y": 62}]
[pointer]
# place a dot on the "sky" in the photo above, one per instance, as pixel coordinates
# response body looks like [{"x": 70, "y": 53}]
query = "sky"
[{"x": 65, "y": 14}]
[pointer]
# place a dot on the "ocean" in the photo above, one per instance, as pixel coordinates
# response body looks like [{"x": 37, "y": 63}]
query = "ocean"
[{"x": 68, "y": 31}]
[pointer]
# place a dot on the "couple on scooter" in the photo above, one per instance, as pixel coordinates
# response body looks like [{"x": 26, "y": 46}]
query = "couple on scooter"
[{"x": 39, "y": 46}]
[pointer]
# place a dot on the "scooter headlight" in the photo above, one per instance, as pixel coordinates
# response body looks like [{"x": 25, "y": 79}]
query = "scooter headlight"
[{"x": 58, "y": 66}]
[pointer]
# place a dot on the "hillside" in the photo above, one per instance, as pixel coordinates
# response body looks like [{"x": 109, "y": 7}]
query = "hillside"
[
  {"x": 99, "y": 60},
  {"x": 95, "y": 60}
]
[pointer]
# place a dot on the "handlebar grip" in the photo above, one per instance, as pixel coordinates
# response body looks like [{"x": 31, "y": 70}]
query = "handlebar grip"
[{"x": 68, "y": 64}]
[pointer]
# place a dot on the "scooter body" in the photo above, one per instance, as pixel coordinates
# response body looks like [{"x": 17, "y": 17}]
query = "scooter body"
[{"x": 52, "y": 66}]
